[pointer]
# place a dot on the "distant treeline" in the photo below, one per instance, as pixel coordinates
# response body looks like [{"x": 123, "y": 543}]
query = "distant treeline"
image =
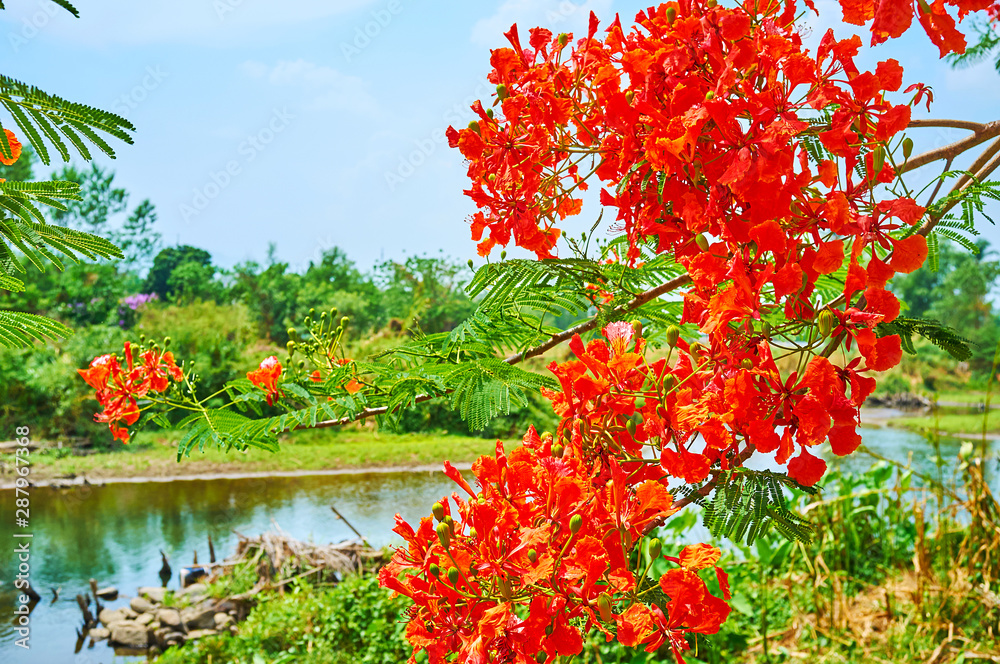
[{"x": 226, "y": 320}]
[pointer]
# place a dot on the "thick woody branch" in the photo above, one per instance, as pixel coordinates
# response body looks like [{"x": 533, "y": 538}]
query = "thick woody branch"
[
  {"x": 951, "y": 124},
  {"x": 980, "y": 134}
]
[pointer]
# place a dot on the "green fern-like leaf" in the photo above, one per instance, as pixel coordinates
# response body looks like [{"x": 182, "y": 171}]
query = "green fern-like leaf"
[
  {"x": 40, "y": 242},
  {"x": 939, "y": 334},
  {"x": 21, "y": 330},
  {"x": 485, "y": 388},
  {"x": 749, "y": 503},
  {"x": 46, "y": 119}
]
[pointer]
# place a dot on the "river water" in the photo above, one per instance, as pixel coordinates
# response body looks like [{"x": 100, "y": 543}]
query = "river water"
[{"x": 114, "y": 533}]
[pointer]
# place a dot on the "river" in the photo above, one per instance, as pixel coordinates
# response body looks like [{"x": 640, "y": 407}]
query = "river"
[{"x": 114, "y": 533}]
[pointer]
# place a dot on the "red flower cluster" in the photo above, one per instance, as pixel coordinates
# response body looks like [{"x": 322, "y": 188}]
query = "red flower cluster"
[
  {"x": 762, "y": 169},
  {"x": 891, "y": 18},
  {"x": 699, "y": 120},
  {"x": 266, "y": 378},
  {"x": 119, "y": 387},
  {"x": 550, "y": 538}
]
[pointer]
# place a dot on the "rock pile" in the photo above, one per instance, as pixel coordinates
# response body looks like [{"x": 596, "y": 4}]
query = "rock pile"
[{"x": 150, "y": 622}]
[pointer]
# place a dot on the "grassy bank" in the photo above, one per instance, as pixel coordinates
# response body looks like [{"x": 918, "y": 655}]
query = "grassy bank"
[
  {"x": 951, "y": 423},
  {"x": 154, "y": 455}
]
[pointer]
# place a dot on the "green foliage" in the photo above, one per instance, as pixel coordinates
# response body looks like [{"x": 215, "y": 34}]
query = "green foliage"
[
  {"x": 937, "y": 333},
  {"x": 168, "y": 260},
  {"x": 99, "y": 208},
  {"x": 217, "y": 338},
  {"x": 40, "y": 387},
  {"x": 353, "y": 623},
  {"x": 957, "y": 292},
  {"x": 748, "y": 503},
  {"x": 18, "y": 329}
]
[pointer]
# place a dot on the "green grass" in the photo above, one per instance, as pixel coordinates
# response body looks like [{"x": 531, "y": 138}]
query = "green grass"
[
  {"x": 966, "y": 397},
  {"x": 154, "y": 455},
  {"x": 971, "y": 423}
]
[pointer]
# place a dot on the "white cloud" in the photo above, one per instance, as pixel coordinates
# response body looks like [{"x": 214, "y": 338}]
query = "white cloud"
[
  {"x": 209, "y": 22},
  {"x": 556, "y": 15},
  {"x": 324, "y": 88}
]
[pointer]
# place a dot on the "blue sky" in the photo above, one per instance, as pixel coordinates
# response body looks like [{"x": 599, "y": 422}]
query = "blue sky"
[{"x": 319, "y": 123}]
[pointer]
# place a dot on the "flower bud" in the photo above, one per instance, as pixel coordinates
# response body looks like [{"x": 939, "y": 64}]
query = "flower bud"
[
  {"x": 345, "y": 321},
  {"x": 907, "y": 147},
  {"x": 474, "y": 126},
  {"x": 673, "y": 334},
  {"x": 503, "y": 254},
  {"x": 489, "y": 113},
  {"x": 629, "y": 97},
  {"x": 671, "y": 14},
  {"x": 293, "y": 334},
  {"x": 563, "y": 38},
  {"x": 473, "y": 534},
  {"x": 502, "y": 91},
  {"x": 695, "y": 348},
  {"x": 453, "y": 575},
  {"x": 701, "y": 241},
  {"x": 471, "y": 265},
  {"x": 668, "y": 383},
  {"x": 746, "y": 363},
  {"x": 604, "y": 606},
  {"x": 575, "y": 523},
  {"x": 766, "y": 329},
  {"x": 825, "y": 322},
  {"x": 655, "y": 548},
  {"x": 557, "y": 451},
  {"x": 166, "y": 342},
  {"x": 291, "y": 347},
  {"x": 541, "y": 657},
  {"x": 878, "y": 159},
  {"x": 712, "y": 3},
  {"x": 434, "y": 570},
  {"x": 630, "y": 427},
  {"x": 532, "y": 555},
  {"x": 444, "y": 534},
  {"x": 710, "y": 95},
  {"x": 637, "y": 328},
  {"x": 438, "y": 510}
]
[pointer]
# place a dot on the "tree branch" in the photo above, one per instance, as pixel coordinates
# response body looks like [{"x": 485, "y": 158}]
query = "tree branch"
[
  {"x": 981, "y": 135},
  {"x": 634, "y": 303},
  {"x": 952, "y": 124}
]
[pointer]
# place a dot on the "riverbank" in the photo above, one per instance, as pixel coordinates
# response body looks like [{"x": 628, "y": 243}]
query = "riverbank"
[{"x": 310, "y": 453}]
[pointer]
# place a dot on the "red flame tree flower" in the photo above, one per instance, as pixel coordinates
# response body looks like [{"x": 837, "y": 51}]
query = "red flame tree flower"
[{"x": 770, "y": 174}]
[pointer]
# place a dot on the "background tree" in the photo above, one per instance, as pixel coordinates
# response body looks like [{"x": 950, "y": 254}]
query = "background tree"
[{"x": 168, "y": 260}]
